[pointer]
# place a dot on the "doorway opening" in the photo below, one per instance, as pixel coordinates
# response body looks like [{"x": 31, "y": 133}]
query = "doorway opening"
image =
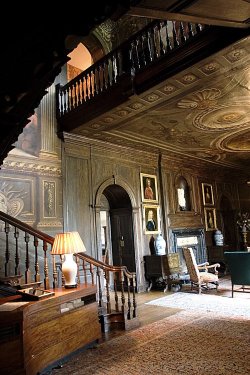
[{"x": 117, "y": 227}]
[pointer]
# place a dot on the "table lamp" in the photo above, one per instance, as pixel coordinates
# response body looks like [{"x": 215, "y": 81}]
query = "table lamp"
[{"x": 67, "y": 244}]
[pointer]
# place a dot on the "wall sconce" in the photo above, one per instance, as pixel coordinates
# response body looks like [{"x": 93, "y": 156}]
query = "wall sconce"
[{"x": 67, "y": 244}]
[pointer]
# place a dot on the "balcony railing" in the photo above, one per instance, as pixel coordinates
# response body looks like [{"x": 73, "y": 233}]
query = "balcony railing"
[{"x": 146, "y": 47}]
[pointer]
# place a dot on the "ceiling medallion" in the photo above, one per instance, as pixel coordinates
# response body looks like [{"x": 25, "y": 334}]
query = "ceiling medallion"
[
  {"x": 220, "y": 119},
  {"x": 236, "y": 142},
  {"x": 230, "y": 117},
  {"x": 188, "y": 78},
  {"x": 108, "y": 120},
  {"x": 136, "y": 106},
  {"x": 204, "y": 99},
  {"x": 210, "y": 67},
  {"x": 168, "y": 89},
  {"x": 122, "y": 113},
  {"x": 151, "y": 97},
  {"x": 96, "y": 126},
  {"x": 235, "y": 55}
]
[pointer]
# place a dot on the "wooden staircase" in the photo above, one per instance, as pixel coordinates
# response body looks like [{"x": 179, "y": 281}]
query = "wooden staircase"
[{"x": 26, "y": 259}]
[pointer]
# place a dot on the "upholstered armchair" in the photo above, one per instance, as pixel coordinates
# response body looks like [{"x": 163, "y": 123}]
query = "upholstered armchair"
[
  {"x": 238, "y": 264},
  {"x": 199, "y": 273}
]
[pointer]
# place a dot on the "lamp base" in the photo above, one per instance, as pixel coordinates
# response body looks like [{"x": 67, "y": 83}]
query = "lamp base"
[
  {"x": 70, "y": 286},
  {"x": 69, "y": 270}
]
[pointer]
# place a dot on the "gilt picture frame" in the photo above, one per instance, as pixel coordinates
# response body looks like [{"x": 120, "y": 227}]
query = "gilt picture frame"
[
  {"x": 207, "y": 194},
  {"x": 151, "y": 219},
  {"x": 149, "y": 188},
  {"x": 210, "y": 218}
]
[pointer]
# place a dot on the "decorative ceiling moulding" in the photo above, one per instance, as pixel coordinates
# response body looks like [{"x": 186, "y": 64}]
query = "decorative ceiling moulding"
[
  {"x": 31, "y": 167},
  {"x": 115, "y": 151},
  {"x": 239, "y": 141}
]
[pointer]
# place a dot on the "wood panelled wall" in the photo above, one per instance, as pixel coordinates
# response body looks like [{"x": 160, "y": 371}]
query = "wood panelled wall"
[{"x": 90, "y": 166}]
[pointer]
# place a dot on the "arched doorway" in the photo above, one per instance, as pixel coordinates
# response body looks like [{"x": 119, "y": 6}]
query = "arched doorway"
[{"x": 120, "y": 227}]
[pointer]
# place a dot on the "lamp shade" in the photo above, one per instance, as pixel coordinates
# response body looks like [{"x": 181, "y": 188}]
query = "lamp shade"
[{"x": 67, "y": 243}]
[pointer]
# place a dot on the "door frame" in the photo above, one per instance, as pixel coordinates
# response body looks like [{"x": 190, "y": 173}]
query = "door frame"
[{"x": 136, "y": 223}]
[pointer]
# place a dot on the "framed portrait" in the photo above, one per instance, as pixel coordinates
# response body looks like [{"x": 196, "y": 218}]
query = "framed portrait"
[
  {"x": 207, "y": 194},
  {"x": 151, "y": 219},
  {"x": 210, "y": 218},
  {"x": 149, "y": 189}
]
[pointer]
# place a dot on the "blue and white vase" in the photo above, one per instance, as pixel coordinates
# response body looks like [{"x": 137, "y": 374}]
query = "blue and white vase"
[
  {"x": 218, "y": 238},
  {"x": 160, "y": 245}
]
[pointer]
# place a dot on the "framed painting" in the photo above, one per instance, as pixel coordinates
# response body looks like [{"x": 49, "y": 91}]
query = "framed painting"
[
  {"x": 149, "y": 190},
  {"x": 210, "y": 218},
  {"x": 151, "y": 219},
  {"x": 207, "y": 194}
]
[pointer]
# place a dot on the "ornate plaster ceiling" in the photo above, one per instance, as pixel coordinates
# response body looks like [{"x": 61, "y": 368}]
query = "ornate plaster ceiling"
[{"x": 203, "y": 111}]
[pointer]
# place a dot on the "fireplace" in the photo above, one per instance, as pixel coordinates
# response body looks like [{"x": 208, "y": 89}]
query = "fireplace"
[{"x": 194, "y": 238}]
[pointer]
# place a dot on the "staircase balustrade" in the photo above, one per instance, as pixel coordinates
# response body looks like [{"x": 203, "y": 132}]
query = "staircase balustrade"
[{"x": 26, "y": 255}]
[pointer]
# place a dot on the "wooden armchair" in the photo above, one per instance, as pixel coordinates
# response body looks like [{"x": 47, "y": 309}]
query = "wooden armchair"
[{"x": 199, "y": 273}]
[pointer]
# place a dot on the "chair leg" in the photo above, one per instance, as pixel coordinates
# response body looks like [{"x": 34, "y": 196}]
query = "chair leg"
[{"x": 232, "y": 290}]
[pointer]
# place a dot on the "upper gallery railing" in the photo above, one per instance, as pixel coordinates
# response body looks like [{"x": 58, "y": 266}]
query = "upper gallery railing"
[{"x": 141, "y": 50}]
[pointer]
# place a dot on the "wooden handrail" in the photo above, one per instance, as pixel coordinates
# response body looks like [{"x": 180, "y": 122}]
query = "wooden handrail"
[
  {"x": 26, "y": 228},
  {"x": 105, "y": 266},
  {"x": 23, "y": 257}
]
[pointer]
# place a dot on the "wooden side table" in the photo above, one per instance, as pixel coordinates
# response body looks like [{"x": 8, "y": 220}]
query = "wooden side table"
[
  {"x": 162, "y": 270},
  {"x": 215, "y": 254}
]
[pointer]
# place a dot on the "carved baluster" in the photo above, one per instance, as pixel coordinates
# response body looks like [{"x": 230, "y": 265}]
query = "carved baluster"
[
  {"x": 67, "y": 99},
  {"x": 110, "y": 71},
  {"x": 129, "y": 301},
  {"x": 163, "y": 37},
  {"x": 134, "y": 300},
  {"x": 114, "y": 67},
  {"x": 115, "y": 290},
  {"x": 17, "y": 257},
  {"x": 84, "y": 271},
  {"x": 77, "y": 260},
  {"x": 27, "y": 260},
  {"x": 176, "y": 42},
  {"x": 55, "y": 272},
  {"x": 46, "y": 268},
  {"x": 151, "y": 44},
  {"x": 119, "y": 63},
  {"x": 74, "y": 95},
  {"x": 107, "y": 292},
  {"x": 191, "y": 31},
  {"x": 122, "y": 291},
  {"x": 98, "y": 272},
  {"x": 169, "y": 28},
  {"x": 198, "y": 27},
  {"x": 91, "y": 270},
  {"x": 186, "y": 29},
  {"x": 105, "y": 83},
  {"x": 78, "y": 96},
  {"x": 7, "y": 250},
  {"x": 145, "y": 49},
  {"x": 61, "y": 103},
  {"x": 183, "y": 37},
  {"x": 37, "y": 274},
  {"x": 84, "y": 94},
  {"x": 96, "y": 78},
  {"x": 157, "y": 41},
  {"x": 62, "y": 275}
]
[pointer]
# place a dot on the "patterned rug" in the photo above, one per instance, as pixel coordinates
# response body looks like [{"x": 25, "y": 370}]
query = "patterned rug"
[
  {"x": 221, "y": 305},
  {"x": 184, "y": 343}
]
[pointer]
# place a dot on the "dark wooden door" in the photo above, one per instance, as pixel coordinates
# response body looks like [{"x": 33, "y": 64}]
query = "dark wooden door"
[{"x": 122, "y": 238}]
